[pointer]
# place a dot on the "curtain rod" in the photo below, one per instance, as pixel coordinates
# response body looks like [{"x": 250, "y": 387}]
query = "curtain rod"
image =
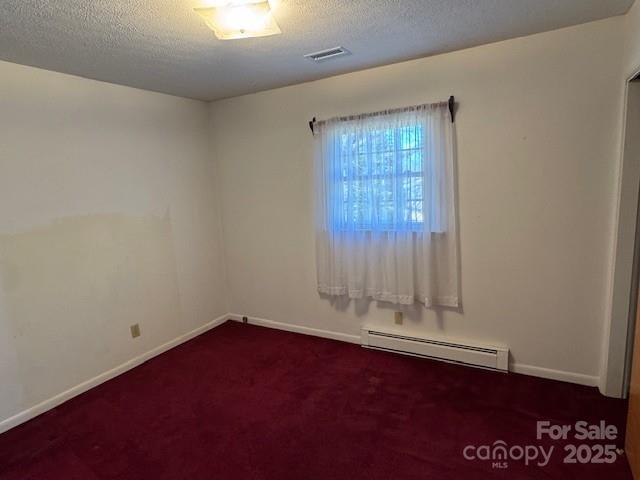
[{"x": 451, "y": 103}]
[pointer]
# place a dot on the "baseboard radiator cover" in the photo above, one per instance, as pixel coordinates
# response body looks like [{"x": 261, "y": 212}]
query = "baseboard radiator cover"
[{"x": 471, "y": 354}]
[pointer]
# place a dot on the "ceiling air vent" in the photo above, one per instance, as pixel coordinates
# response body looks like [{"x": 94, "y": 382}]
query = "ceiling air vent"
[{"x": 327, "y": 54}]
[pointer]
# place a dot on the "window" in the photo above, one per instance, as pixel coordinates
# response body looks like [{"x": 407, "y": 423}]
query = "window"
[
  {"x": 385, "y": 211},
  {"x": 379, "y": 179}
]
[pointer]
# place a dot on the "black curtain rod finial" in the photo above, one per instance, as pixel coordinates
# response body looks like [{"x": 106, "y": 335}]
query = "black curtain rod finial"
[{"x": 452, "y": 108}]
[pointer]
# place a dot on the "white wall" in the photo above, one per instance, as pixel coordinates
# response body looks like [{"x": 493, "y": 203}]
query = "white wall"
[
  {"x": 108, "y": 217},
  {"x": 537, "y": 131}
]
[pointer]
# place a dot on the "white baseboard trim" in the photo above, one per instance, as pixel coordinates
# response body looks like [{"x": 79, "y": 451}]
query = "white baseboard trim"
[
  {"x": 530, "y": 370},
  {"x": 563, "y": 376},
  {"x": 316, "y": 332},
  {"x": 56, "y": 400}
]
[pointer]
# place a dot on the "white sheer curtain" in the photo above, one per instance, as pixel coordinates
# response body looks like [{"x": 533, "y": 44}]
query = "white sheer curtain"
[{"x": 385, "y": 210}]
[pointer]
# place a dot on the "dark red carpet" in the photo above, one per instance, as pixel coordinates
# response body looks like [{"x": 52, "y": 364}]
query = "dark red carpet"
[{"x": 244, "y": 402}]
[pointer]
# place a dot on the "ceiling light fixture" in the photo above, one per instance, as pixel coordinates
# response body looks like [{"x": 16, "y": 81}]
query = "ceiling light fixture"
[{"x": 233, "y": 19}]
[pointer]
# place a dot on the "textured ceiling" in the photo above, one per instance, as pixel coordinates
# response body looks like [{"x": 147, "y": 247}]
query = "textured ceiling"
[{"x": 164, "y": 45}]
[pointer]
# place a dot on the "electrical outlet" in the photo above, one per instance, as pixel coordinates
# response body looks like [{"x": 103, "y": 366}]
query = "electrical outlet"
[
  {"x": 397, "y": 317},
  {"x": 135, "y": 330}
]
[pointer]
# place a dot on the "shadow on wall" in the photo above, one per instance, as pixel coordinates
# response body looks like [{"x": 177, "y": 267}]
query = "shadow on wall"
[
  {"x": 413, "y": 313},
  {"x": 69, "y": 291}
]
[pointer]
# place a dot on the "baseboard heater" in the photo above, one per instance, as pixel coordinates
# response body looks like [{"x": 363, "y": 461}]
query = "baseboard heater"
[{"x": 477, "y": 355}]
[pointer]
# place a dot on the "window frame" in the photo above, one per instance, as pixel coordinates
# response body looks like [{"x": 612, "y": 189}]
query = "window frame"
[{"x": 400, "y": 173}]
